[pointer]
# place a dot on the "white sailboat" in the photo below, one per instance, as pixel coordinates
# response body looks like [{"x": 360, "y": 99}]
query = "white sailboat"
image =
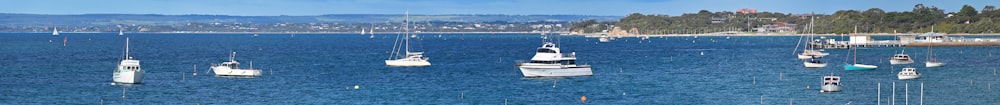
[
  {"x": 831, "y": 83},
  {"x": 362, "y": 31},
  {"x": 372, "y": 32},
  {"x": 908, "y": 73},
  {"x": 410, "y": 58},
  {"x": 810, "y": 52},
  {"x": 55, "y": 31},
  {"x": 232, "y": 68},
  {"x": 930, "y": 58},
  {"x": 121, "y": 32},
  {"x": 129, "y": 70}
]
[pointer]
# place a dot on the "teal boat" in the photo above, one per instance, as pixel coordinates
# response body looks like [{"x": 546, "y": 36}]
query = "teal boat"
[{"x": 859, "y": 67}]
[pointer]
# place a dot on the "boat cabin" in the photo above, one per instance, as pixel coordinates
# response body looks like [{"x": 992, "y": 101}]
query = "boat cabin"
[
  {"x": 901, "y": 57},
  {"x": 231, "y": 65},
  {"x": 831, "y": 80},
  {"x": 909, "y": 71}
]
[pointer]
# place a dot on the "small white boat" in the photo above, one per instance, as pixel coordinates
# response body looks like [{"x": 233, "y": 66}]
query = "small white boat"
[
  {"x": 899, "y": 59},
  {"x": 814, "y": 63},
  {"x": 55, "y": 31},
  {"x": 604, "y": 39},
  {"x": 908, "y": 73},
  {"x": 232, "y": 68},
  {"x": 831, "y": 83},
  {"x": 934, "y": 64},
  {"x": 550, "y": 62},
  {"x": 129, "y": 70},
  {"x": 121, "y": 32}
]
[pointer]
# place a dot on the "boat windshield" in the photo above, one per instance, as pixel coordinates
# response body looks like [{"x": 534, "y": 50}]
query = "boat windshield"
[{"x": 543, "y": 50}]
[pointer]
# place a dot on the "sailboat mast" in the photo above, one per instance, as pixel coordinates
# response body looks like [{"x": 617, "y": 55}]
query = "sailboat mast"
[
  {"x": 406, "y": 28},
  {"x": 930, "y": 53}
]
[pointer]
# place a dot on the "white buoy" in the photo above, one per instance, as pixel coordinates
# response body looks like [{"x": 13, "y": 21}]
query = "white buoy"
[
  {"x": 195, "y": 70},
  {"x": 554, "y": 83},
  {"x": 123, "y": 93},
  {"x": 356, "y": 87},
  {"x": 702, "y": 53}
]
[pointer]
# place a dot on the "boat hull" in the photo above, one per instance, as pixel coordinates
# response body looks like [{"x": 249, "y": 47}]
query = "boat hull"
[
  {"x": 555, "y": 72},
  {"x": 814, "y": 65},
  {"x": 831, "y": 88},
  {"x": 900, "y": 62},
  {"x": 934, "y": 64},
  {"x": 859, "y": 67},
  {"x": 128, "y": 76},
  {"x": 407, "y": 62},
  {"x": 604, "y": 39},
  {"x": 226, "y": 71},
  {"x": 906, "y": 77}
]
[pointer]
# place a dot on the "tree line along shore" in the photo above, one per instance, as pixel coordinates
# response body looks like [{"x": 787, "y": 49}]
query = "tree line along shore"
[{"x": 921, "y": 19}]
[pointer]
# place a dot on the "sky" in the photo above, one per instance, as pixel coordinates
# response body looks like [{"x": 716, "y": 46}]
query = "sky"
[{"x": 511, "y": 7}]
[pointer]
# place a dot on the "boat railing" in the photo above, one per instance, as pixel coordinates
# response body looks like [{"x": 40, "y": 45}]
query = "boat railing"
[{"x": 519, "y": 62}]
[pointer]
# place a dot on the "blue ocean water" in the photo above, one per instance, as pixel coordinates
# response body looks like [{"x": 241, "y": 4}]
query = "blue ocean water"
[{"x": 472, "y": 69}]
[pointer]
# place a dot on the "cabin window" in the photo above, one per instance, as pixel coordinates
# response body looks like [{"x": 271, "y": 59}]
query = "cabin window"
[
  {"x": 571, "y": 62},
  {"x": 546, "y": 51},
  {"x": 545, "y": 62}
]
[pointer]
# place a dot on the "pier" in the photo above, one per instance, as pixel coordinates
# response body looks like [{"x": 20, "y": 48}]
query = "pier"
[{"x": 921, "y": 40}]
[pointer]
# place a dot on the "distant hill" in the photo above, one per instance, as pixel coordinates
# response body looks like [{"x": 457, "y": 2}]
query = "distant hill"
[{"x": 155, "y": 19}]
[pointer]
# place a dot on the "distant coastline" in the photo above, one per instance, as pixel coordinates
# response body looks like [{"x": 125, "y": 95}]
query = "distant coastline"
[
  {"x": 783, "y": 34},
  {"x": 560, "y": 33}
]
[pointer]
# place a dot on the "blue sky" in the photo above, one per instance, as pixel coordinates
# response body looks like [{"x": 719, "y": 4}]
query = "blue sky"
[{"x": 515, "y": 7}]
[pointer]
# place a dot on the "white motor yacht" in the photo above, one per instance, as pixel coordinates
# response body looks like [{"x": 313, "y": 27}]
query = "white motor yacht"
[{"x": 550, "y": 62}]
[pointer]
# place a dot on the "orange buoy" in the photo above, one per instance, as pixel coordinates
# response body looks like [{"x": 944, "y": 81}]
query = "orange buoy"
[{"x": 583, "y": 99}]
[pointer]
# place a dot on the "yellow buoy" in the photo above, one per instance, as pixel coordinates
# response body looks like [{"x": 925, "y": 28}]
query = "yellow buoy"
[{"x": 583, "y": 99}]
